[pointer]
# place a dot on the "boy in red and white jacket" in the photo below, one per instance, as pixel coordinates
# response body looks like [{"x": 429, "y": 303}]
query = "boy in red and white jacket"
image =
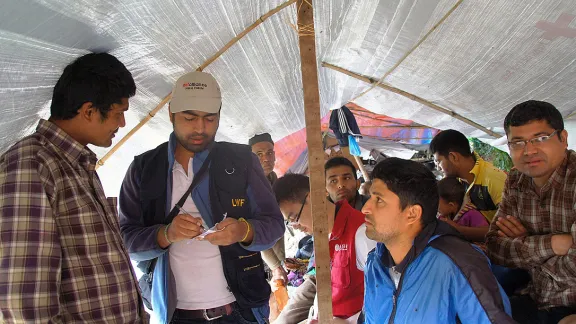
[{"x": 349, "y": 246}]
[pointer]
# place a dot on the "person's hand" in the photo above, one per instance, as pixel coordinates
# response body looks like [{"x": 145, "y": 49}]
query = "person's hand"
[
  {"x": 184, "y": 227},
  {"x": 448, "y": 221},
  {"x": 510, "y": 227},
  {"x": 561, "y": 243},
  {"x": 230, "y": 231},
  {"x": 280, "y": 274}
]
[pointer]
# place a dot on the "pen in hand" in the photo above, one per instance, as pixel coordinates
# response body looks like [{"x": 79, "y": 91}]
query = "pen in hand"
[{"x": 187, "y": 213}]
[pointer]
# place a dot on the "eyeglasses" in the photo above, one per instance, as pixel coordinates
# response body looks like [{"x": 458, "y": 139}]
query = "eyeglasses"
[
  {"x": 521, "y": 145},
  {"x": 297, "y": 218}
]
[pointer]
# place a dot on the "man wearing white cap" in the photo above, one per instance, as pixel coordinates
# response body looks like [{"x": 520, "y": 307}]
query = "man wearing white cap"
[{"x": 195, "y": 212}]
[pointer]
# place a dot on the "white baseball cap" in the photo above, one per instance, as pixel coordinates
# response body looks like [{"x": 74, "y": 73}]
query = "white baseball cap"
[{"x": 196, "y": 91}]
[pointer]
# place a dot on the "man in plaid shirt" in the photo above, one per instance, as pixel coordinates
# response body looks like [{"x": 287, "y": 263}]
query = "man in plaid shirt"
[
  {"x": 62, "y": 259},
  {"x": 535, "y": 226}
]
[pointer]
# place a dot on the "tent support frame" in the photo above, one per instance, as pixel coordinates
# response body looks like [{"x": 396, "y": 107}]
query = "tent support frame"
[
  {"x": 412, "y": 97},
  {"x": 214, "y": 57},
  {"x": 320, "y": 219}
]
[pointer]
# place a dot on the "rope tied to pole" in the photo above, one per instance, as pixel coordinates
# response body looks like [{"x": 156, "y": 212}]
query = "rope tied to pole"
[{"x": 303, "y": 30}]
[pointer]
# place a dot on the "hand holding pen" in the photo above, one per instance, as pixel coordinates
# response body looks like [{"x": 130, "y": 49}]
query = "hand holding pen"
[{"x": 184, "y": 227}]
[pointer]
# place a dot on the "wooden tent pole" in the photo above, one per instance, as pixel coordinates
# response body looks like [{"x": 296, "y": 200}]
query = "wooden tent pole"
[
  {"x": 200, "y": 68},
  {"x": 320, "y": 223},
  {"x": 414, "y": 98}
]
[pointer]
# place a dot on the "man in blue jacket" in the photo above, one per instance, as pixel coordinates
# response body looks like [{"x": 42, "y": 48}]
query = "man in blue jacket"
[
  {"x": 195, "y": 213},
  {"x": 422, "y": 270}
]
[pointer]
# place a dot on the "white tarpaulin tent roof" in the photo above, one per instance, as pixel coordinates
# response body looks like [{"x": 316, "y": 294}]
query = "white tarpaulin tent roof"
[{"x": 485, "y": 57}]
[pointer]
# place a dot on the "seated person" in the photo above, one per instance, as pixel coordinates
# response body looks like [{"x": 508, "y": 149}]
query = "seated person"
[
  {"x": 535, "y": 227},
  {"x": 342, "y": 182},
  {"x": 453, "y": 157},
  {"x": 263, "y": 146},
  {"x": 452, "y": 191},
  {"x": 292, "y": 193},
  {"x": 422, "y": 270}
]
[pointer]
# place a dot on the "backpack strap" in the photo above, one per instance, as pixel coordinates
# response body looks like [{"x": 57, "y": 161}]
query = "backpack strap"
[{"x": 197, "y": 178}]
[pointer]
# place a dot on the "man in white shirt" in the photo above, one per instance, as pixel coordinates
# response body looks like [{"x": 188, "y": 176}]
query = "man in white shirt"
[{"x": 196, "y": 213}]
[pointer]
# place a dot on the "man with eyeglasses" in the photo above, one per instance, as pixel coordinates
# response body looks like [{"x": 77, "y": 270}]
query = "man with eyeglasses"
[
  {"x": 535, "y": 226},
  {"x": 349, "y": 248}
]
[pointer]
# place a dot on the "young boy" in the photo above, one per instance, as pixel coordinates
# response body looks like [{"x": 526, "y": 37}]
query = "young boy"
[{"x": 452, "y": 191}]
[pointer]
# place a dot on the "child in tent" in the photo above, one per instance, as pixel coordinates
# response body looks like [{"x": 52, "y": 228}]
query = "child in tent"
[{"x": 452, "y": 192}]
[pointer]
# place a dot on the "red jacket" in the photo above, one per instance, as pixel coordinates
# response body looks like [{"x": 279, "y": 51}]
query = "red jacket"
[{"x": 347, "y": 280}]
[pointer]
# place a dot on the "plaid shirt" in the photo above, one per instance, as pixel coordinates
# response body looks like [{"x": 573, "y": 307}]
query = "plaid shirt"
[
  {"x": 61, "y": 254},
  {"x": 552, "y": 211}
]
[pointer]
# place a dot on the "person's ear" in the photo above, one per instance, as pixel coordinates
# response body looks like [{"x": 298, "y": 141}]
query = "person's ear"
[
  {"x": 87, "y": 111},
  {"x": 564, "y": 137},
  {"x": 414, "y": 214},
  {"x": 453, "y": 206},
  {"x": 453, "y": 157}
]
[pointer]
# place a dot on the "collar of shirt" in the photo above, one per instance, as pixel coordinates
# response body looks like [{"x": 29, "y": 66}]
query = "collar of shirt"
[
  {"x": 419, "y": 244},
  {"x": 72, "y": 149},
  {"x": 556, "y": 179},
  {"x": 180, "y": 168},
  {"x": 272, "y": 177},
  {"x": 477, "y": 166}
]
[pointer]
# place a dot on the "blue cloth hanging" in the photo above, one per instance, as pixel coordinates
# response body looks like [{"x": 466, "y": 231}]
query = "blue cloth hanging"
[{"x": 354, "y": 147}]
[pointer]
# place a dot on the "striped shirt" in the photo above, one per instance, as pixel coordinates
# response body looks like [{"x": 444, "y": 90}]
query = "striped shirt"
[
  {"x": 61, "y": 254},
  {"x": 545, "y": 213}
]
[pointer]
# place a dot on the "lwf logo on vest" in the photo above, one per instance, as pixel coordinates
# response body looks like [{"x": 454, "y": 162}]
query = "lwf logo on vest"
[
  {"x": 341, "y": 247},
  {"x": 238, "y": 202}
]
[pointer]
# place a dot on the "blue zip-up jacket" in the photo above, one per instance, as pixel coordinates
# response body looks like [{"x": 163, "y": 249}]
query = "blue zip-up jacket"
[
  {"x": 265, "y": 218},
  {"x": 443, "y": 279}
]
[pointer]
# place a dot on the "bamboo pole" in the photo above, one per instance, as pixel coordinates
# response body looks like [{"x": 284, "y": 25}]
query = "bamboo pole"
[
  {"x": 392, "y": 126},
  {"x": 393, "y": 122},
  {"x": 398, "y": 139},
  {"x": 414, "y": 98},
  {"x": 361, "y": 167},
  {"x": 243, "y": 33},
  {"x": 133, "y": 131},
  {"x": 440, "y": 22},
  {"x": 320, "y": 223},
  {"x": 200, "y": 68},
  {"x": 383, "y": 118},
  {"x": 408, "y": 127}
]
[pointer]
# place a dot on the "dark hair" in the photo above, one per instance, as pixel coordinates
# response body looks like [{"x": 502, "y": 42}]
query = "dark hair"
[
  {"x": 450, "y": 141},
  {"x": 533, "y": 110},
  {"x": 339, "y": 161},
  {"x": 291, "y": 187},
  {"x": 452, "y": 190},
  {"x": 97, "y": 78},
  {"x": 412, "y": 182},
  {"x": 264, "y": 137}
]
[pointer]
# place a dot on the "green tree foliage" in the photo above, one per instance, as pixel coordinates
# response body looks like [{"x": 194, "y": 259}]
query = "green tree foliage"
[{"x": 499, "y": 158}]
